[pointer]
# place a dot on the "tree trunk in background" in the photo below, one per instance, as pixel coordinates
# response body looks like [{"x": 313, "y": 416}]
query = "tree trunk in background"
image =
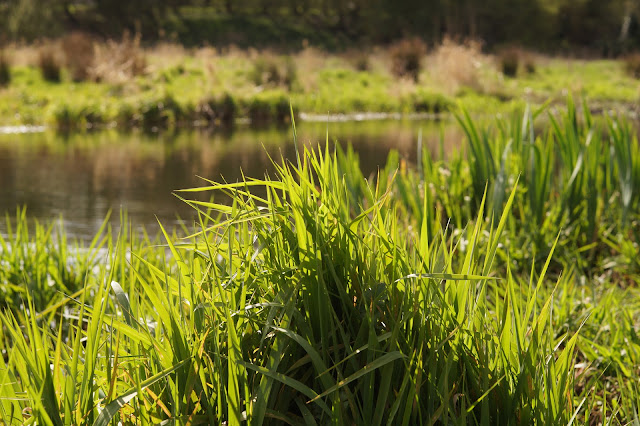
[
  {"x": 473, "y": 27},
  {"x": 629, "y": 8}
]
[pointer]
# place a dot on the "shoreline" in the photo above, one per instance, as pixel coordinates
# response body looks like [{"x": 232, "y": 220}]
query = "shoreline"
[{"x": 628, "y": 109}]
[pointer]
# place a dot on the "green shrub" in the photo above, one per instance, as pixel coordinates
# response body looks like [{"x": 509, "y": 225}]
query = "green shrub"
[
  {"x": 269, "y": 108},
  {"x": 423, "y": 101},
  {"x": 228, "y": 108},
  {"x": 127, "y": 115},
  {"x": 406, "y": 57},
  {"x": 161, "y": 113},
  {"x": 274, "y": 71},
  {"x": 68, "y": 117},
  {"x": 290, "y": 74},
  {"x": 94, "y": 115},
  {"x": 80, "y": 116},
  {"x": 218, "y": 110},
  {"x": 265, "y": 71},
  {"x": 49, "y": 65}
]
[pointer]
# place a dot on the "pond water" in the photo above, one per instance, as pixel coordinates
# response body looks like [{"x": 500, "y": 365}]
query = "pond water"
[{"x": 80, "y": 177}]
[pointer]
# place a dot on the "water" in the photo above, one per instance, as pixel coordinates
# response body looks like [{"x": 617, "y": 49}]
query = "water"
[{"x": 81, "y": 177}]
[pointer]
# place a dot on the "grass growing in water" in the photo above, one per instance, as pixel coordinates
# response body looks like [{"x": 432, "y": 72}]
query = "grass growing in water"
[{"x": 319, "y": 296}]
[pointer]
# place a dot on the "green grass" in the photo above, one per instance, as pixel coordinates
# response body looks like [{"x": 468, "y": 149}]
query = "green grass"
[
  {"x": 498, "y": 286},
  {"x": 178, "y": 82},
  {"x": 599, "y": 80}
]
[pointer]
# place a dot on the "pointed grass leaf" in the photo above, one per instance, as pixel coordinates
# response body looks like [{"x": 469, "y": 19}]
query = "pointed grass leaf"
[
  {"x": 123, "y": 300},
  {"x": 113, "y": 407},
  {"x": 377, "y": 363}
]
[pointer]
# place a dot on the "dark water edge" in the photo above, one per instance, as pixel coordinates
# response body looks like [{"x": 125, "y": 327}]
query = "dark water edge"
[{"x": 82, "y": 176}]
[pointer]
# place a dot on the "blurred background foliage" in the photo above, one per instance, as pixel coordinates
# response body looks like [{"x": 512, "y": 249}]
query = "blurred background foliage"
[{"x": 595, "y": 27}]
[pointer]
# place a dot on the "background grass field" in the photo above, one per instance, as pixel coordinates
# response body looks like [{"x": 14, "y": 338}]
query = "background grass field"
[{"x": 105, "y": 84}]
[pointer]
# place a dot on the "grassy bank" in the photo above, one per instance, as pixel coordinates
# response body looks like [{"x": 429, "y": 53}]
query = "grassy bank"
[
  {"x": 497, "y": 286},
  {"x": 79, "y": 83}
]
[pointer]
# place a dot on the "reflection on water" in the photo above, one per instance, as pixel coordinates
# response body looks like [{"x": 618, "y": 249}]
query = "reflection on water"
[{"x": 83, "y": 176}]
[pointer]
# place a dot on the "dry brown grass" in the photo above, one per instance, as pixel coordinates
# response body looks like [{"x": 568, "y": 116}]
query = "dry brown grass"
[
  {"x": 79, "y": 53},
  {"x": 116, "y": 62},
  {"x": 632, "y": 64},
  {"x": 119, "y": 62},
  {"x": 455, "y": 65},
  {"x": 447, "y": 69},
  {"x": 309, "y": 61},
  {"x": 272, "y": 70},
  {"x": 24, "y": 55},
  {"x": 358, "y": 59},
  {"x": 407, "y": 56},
  {"x": 513, "y": 60},
  {"x": 509, "y": 60},
  {"x": 205, "y": 53},
  {"x": 165, "y": 55}
]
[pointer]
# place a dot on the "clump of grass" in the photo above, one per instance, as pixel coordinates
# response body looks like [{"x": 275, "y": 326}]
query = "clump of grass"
[
  {"x": 290, "y": 77},
  {"x": 79, "y": 53},
  {"x": 270, "y": 70},
  {"x": 632, "y": 64},
  {"x": 530, "y": 64},
  {"x": 95, "y": 115},
  {"x": 442, "y": 292},
  {"x": 127, "y": 115},
  {"x": 269, "y": 107},
  {"x": 426, "y": 101},
  {"x": 49, "y": 64},
  {"x": 265, "y": 71},
  {"x": 70, "y": 116},
  {"x": 161, "y": 113},
  {"x": 67, "y": 116},
  {"x": 5, "y": 69},
  {"x": 407, "y": 56},
  {"x": 119, "y": 62},
  {"x": 41, "y": 264},
  {"x": 513, "y": 59},
  {"x": 457, "y": 65},
  {"x": 361, "y": 61},
  {"x": 312, "y": 298},
  {"x": 509, "y": 60},
  {"x": 218, "y": 110}
]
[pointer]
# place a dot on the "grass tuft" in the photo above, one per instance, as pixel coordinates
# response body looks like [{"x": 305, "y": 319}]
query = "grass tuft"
[
  {"x": 218, "y": 110},
  {"x": 79, "y": 53},
  {"x": 632, "y": 64},
  {"x": 495, "y": 286},
  {"x": 455, "y": 66},
  {"x": 407, "y": 56},
  {"x": 119, "y": 62},
  {"x": 49, "y": 64},
  {"x": 509, "y": 60},
  {"x": 5, "y": 69}
]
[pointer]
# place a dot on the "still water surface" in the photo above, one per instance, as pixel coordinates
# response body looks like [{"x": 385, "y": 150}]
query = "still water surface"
[{"x": 81, "y": 177}]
